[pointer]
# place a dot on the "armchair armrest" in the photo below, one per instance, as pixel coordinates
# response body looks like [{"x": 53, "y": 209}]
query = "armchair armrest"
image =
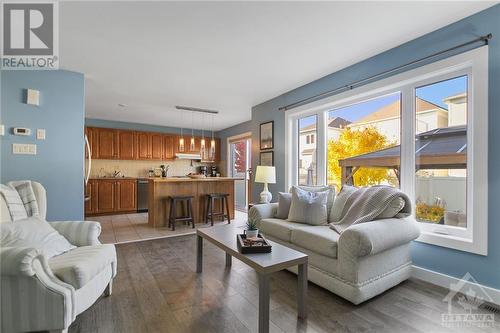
[
  {"x": 79, "y": 233},
  {"x": 18, "y": 260},
  {"x": 262, "y": 211},
  {"x": 373, "y": 237}
]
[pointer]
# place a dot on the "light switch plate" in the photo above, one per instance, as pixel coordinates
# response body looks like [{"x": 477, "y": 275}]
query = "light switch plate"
[
  {"x": 40, "y": 134},
  {"x": 33, "y": 97},
  {"x": 23, "y": 149}
]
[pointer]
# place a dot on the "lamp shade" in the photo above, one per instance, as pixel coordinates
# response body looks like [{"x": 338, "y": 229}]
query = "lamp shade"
[{"x": 265, "y": 174}]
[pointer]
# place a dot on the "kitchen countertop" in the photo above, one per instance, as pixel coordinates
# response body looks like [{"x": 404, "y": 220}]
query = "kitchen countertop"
[{"x": 187, "y": 179}]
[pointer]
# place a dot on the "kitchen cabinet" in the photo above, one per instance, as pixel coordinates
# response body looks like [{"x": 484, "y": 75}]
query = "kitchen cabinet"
[
  {"x": 157, "y": 151},
  {"x": 126, "y": 195},
  {"x": 143, "y": 145},
  {"x": 126, "y": 145},
  {"x": 111, "y": 196},
  {"x": 106, "y": 196},
  {"x": 168, "y": 147},
  {"x": 107, "y": 144}
]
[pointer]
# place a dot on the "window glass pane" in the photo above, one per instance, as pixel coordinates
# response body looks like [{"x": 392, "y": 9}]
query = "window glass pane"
[
  {"x": 441, "y": 152},
  {"x": 363, "y": 143},
  {"x": 238, "y": 158},
  {"x": 307, "y": 151}
]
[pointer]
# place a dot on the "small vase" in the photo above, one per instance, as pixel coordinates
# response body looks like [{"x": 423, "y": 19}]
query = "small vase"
[{"x": 251, "y": 233}]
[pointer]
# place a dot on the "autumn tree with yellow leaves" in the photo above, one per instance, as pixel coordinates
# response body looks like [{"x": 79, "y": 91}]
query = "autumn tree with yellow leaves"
[{"x": 353, "y": 142}]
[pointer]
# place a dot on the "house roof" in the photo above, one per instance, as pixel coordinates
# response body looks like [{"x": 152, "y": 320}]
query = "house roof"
[
  {"x": 309, "y": 151},
  {"x": 394, "y": 109},
  {"x": 442, "y": 148},
  {"x": 338, "y": 122}
]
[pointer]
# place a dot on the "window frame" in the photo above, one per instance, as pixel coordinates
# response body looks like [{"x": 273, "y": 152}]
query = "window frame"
[{"x": 472, "y": 63}]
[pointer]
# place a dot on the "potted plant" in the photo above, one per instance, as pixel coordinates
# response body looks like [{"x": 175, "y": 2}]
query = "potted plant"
[{"x": 251, "y": 230}]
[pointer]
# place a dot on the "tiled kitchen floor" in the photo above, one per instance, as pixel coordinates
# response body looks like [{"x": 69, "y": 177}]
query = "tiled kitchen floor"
[{"x": 134, "y": 227}]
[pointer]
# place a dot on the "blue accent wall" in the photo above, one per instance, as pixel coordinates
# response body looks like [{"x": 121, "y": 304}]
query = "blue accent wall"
[
  {"x": 59, "y": 163},
  {"x": 486, "y": 269}
]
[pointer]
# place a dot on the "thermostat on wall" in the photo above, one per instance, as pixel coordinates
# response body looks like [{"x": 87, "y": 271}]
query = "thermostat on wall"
[{"x": 22, "y": 131}]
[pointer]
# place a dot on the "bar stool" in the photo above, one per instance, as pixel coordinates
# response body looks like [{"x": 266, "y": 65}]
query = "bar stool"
[
  {"x": 186, "y": 216},
  {"x": 209, "y": 212}
]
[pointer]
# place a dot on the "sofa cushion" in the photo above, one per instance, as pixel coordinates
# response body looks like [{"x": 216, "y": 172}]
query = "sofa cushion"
[
  {"x": 308, "y": 207},
  {"x": 278, "y": 228},
  {"x": 284, "y": 202},
  {"x": 77, "y": 267},
  {"x": 320, "y": 239},
  {"x": 36, "y": 233}
]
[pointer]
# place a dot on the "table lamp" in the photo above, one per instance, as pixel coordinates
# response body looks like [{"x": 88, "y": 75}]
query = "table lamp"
[{"x": 266, "y": 175}]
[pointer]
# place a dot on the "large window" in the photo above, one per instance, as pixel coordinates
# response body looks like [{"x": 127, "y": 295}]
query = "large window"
[
  {"x": 441, "y": 152},
  {"x": 307, "y": 150},
  {"x": 362, "y": 142},
  {"x": 423, "y": 131}
]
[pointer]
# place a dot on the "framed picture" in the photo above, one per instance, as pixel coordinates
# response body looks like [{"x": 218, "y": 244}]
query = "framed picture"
[
  {"x": 267, "y": 158},
  {"x": 267, "y": 135}
]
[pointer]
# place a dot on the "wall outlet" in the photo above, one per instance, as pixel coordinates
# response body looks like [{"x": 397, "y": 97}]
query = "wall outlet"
[
  {"x": 40, "y": 134},
  {"x": 23, "y": 149}
]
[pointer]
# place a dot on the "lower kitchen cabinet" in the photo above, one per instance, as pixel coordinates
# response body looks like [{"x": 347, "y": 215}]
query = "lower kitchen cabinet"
[{"x": 110, "y": 196}]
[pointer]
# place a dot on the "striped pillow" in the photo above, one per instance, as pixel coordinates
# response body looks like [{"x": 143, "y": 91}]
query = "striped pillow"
[{"x": 14, "y": 202}]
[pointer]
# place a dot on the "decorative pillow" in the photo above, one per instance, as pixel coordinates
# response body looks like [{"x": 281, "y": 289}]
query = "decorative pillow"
[
  {"x": 14, "y": 202},
  {"x": 284, "y": 202},
  {"x": 339, "y": 203},
  {"x": 308, "y": 207},
  {"x": 28, "y": 198},
  {"x": 321, "y": 188},
  {"x": 393, "y": 209},
  {"x": 36, "y": 233}
]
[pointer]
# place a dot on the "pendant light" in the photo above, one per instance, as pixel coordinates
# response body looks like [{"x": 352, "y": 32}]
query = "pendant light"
[
  {"x": 202, "y": 144},
  {"x": 181, "y": 139},
  {"x": 212, "y": 142},
  {"x": 191, "y": 144}
]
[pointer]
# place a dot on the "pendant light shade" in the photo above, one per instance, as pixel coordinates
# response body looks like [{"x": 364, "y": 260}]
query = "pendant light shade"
[
  {"x": 202, "y": 143},
  {"x": 191, "y": 143},
  {"x": 212, "y": 142}
]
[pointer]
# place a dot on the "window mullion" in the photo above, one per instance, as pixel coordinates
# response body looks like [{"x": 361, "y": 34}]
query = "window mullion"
[{"x": 407, "y": 172}]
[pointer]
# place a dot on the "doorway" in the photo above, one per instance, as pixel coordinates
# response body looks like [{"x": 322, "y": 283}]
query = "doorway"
[{"x": 240, "y": 166}]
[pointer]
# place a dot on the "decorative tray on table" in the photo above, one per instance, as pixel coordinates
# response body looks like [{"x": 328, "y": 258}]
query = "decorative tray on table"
[{"x": 253, "y": 245}]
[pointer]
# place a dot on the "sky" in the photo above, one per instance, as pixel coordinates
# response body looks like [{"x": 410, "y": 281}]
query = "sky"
[{"x": 434, "y": 93}]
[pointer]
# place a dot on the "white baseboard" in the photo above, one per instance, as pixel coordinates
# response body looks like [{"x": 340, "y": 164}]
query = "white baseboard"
[{"x": 445, "y": 281}]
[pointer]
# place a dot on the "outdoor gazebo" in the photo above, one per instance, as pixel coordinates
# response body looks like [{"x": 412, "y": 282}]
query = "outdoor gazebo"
[{"x": 442, "y": 148}]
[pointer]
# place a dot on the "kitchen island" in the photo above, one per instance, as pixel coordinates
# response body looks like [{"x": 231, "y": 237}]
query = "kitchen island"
[{"x": 161, "y": 188}]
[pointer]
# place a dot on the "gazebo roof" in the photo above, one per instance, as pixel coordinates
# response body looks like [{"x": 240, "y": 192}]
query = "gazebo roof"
[{"x": 442, "y": 148}]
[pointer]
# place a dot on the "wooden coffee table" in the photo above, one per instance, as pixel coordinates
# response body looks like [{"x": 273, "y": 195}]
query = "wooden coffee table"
[{"x": 264, "y": 264}]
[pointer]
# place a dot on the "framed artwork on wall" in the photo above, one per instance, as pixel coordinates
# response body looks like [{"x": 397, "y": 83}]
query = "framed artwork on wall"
[
  {"x": 267, "y": 135},
  {"x": 267, "y": 158}
]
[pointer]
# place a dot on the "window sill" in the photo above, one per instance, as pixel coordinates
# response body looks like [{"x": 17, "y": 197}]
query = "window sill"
[{"x": 454, "y": 242}]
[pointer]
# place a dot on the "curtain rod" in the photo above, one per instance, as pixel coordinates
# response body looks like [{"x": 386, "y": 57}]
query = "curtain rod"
[{"x": 485, "y": 39}]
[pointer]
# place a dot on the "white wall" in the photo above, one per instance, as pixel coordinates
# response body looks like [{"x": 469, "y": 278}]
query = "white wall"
[{"x": 451, "y": 189}]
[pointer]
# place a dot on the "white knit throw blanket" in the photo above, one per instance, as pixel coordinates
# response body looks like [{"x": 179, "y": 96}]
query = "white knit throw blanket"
[{"x": 366, "y": 203}]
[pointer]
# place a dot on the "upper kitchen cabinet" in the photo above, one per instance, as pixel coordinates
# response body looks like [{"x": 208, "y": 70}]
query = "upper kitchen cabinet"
[
  {"x": 157, "y": 150},
  {"x": 127, "y": 145},
  {"x": 169, "y": 147},
  {"x": 143, "y": 145},
  {"x": 107, "y": 143}
]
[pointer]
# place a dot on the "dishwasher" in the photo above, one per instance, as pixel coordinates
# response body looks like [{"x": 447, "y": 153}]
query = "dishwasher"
[{"x": 142, "y": 195}]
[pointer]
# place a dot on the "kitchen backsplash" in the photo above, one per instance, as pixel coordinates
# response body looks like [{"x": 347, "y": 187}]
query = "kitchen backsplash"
[{"x": 132, "y": 168}]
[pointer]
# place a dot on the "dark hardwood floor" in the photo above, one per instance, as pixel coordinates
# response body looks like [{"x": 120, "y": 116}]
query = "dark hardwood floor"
[{"x": 157, "y": 290}]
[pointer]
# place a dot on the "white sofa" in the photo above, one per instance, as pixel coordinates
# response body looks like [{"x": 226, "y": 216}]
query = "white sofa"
[
  {"x": 39, "y": 294},
  {"x": 364, "y": 261}
]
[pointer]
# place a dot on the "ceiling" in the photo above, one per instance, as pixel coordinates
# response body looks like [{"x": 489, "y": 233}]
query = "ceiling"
[{"x": 227, "y": 56}]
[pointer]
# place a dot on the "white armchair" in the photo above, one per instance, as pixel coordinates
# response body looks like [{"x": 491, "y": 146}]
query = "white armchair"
[{"x": 40, "y": 294}]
